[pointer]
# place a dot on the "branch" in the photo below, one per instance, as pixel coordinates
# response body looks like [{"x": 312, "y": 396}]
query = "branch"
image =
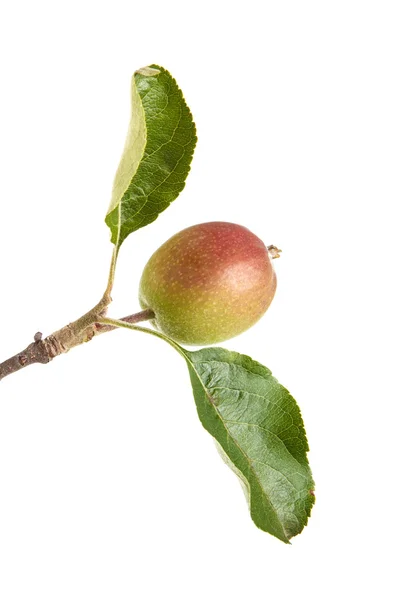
[
  {"x": 43, "y": 351},
  {"x": 36, "y": 352}
]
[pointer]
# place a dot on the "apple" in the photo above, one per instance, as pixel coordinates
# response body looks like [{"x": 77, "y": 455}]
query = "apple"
[{"x": 208, "y": 283}]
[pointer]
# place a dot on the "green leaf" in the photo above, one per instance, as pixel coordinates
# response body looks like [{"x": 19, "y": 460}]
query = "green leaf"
[
  {"x": 157, "y": 153},
  {"x": 259, "y": 428}
]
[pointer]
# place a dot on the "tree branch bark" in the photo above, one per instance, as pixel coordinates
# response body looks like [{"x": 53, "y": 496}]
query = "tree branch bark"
[{"x": 42, "y": 351}]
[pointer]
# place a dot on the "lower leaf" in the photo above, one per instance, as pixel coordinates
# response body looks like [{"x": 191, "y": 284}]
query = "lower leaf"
[{"x": 258, "y": 426}]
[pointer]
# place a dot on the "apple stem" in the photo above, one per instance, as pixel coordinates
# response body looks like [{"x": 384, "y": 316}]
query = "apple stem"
[{"x": 274, "y": 251}]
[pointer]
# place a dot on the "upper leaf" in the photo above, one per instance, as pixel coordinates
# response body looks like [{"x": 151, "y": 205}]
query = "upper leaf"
[
  {"x": 259, "y": 427},
  {"x": 157, "y": 153}
]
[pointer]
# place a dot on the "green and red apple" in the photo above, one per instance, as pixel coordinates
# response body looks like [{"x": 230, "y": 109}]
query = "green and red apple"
[{"x": 208, "y": 283}]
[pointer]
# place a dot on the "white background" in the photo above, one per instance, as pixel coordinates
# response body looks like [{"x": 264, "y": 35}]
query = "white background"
[{"x": 109, "y": 487}]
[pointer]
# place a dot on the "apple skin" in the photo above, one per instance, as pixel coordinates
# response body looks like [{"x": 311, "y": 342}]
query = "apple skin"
[{"x": 208, "y": 283}]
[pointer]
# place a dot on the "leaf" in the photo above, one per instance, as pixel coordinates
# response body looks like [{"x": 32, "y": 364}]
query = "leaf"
[
  {"x": 259, "y": 428},
  {"x": 157, "y": 153}
]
